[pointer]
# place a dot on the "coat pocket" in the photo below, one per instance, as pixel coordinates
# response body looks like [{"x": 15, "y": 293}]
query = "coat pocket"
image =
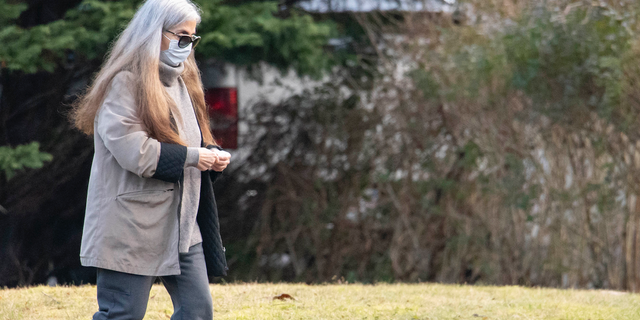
[
  {"x": 137, "y": 193},
  {"x": 143, "y": 226},
  {"x": 146, "y": 209}
]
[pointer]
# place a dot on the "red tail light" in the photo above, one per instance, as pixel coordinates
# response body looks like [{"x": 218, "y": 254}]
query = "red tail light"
[{"x": 223, "y": 110}]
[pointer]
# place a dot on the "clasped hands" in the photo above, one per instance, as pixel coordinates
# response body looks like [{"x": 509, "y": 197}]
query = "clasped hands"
[{"x": 213, "y": 159}]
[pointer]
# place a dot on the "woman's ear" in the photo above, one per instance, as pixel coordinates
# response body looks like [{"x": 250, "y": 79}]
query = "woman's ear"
[{"x": 164, "y": 44}]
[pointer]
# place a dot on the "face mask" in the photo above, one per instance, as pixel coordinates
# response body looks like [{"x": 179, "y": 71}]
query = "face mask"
[{"x": 174, "y": 55}]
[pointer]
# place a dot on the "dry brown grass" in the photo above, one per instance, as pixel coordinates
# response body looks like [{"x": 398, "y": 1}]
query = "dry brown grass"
[{"x": 352, "y": 301}]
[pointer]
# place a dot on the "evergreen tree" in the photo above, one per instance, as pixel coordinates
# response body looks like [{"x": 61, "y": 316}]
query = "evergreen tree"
[{"x": 244, "y": 35}]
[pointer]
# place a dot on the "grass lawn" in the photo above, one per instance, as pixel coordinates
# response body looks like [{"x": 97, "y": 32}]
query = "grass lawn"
[{"x": 344, "y": 301}]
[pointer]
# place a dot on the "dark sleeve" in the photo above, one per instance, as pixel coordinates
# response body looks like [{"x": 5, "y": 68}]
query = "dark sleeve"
[
  {"x": 171, "y": 162},
  {"x": 214, "y": 174}
]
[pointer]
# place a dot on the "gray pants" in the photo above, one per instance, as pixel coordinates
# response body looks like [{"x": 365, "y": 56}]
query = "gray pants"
[{"x": 125, "y": 296}]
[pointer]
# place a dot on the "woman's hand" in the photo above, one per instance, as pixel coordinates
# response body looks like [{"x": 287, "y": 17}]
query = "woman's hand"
[
  {"x": 223, "y": 160},
  {"x": 206, "y": 159}
]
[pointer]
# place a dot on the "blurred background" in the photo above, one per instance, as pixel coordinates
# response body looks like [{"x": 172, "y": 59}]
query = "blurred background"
[{"x": 454, "y": 141}]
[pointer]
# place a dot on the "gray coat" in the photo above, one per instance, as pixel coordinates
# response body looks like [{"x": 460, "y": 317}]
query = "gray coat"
[{"x": 131, "y": 220}]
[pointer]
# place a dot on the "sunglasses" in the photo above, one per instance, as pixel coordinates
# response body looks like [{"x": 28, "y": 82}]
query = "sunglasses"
[{"x": 185, "y": 40}]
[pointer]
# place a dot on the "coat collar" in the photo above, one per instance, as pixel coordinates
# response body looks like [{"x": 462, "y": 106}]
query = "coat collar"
[{"x": 169, "y": 74}]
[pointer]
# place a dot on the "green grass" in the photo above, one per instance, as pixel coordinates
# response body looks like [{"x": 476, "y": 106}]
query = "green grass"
[{"x": 344, "y": 301}]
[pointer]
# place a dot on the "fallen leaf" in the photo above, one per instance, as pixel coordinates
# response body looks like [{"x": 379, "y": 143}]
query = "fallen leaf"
[{"x": 283, "y": 296}]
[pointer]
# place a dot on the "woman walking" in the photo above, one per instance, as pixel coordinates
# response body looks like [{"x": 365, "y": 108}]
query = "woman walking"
[{"x": 150, "y": 207}]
